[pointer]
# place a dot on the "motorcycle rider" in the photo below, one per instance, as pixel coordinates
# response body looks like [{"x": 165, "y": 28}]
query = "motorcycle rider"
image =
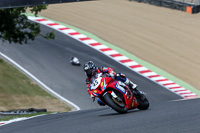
[{"x": 91, "y": 69}]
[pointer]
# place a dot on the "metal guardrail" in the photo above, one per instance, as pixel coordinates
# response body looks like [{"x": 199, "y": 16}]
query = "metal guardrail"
[
  {"x": 195, "y": 2},
  {"x": 174, "y": 4},
  {"x": 24, "y": 3}
]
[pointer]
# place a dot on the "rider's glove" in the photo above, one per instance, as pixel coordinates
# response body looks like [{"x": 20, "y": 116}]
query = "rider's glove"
[
  {"x": 119, "y": 76},
  {"x": 112, "y": 75}
]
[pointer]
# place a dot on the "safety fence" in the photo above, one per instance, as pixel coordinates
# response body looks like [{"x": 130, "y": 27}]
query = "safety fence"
[
  {"x": 190, "y": 6},
  {"x": 25, "y": 3},
  {"x": 195, "y": 2}
]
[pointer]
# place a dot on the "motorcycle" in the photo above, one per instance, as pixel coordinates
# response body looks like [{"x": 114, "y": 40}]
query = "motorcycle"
[{"x": 116, "y": 94}]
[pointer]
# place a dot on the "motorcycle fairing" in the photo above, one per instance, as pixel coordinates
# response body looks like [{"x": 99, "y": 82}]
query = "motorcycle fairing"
[
  {"x": 131, "y": 102},
  {"x": 103, "y": 85},
  {"x": 106, "y": 85},
  {"x": 119, "y": 87},
  {"x": 96, "y": 92}
]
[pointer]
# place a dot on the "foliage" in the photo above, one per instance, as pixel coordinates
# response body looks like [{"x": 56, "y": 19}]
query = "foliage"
[{"x": 15, "y": 26}]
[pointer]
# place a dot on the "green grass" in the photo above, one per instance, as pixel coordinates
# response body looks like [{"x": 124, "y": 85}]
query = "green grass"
[
  {"x": 12, "y": 81},
  {"x": 17, "y": 91}
]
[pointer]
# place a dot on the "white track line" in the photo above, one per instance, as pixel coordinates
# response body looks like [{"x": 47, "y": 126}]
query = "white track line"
[{"x": 38, "y": 81}]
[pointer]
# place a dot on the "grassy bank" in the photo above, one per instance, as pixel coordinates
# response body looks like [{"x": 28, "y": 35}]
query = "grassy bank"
[{"x": 17, "y": 91}]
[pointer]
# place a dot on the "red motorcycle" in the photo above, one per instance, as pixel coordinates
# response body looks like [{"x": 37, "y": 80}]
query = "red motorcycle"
[{"x": 116, "y": 94}]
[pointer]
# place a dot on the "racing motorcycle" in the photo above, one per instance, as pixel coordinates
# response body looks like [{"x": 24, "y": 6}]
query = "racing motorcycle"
[{"x": 116, "y": 94}]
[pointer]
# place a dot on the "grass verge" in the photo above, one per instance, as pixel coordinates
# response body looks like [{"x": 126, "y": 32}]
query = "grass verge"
[{"x": 17, "y": 91}]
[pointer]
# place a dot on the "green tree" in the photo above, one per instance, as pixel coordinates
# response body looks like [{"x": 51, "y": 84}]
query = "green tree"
[{"x": 16, "y": 28}]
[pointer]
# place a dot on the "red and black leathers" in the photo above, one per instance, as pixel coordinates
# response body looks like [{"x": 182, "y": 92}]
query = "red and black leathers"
[{"x": 118, "y": 76}]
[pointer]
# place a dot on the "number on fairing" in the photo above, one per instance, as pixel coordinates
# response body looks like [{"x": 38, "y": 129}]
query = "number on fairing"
[{"x": 95, "y": 83}]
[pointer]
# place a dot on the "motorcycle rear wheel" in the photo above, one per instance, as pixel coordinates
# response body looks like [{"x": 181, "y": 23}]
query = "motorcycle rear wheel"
[
  {"x": 143, "y": 103},
  {"x": 114, "y": 105}
]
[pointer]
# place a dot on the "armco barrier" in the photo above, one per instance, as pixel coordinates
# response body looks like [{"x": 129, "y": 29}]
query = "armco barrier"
[
  {"x": 178, "y": 5},
  {"x": 25, "y": 3}
]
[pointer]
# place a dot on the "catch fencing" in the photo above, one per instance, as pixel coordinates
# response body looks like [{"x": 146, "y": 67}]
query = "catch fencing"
[
  {"x": 194, "y": 2},
  {"x": 24, "y": 3},
  {"x": 190, "y": 6}
]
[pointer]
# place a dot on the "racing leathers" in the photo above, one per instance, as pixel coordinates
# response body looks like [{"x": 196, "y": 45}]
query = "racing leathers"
[{"x": 110, "y": 72}]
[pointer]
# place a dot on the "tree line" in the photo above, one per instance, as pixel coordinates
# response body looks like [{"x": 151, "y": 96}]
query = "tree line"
[{"x": 16, "y": 28}]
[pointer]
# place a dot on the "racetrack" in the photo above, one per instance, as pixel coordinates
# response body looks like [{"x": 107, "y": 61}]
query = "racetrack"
[
  {"x": 165, "y": 117},
  {"x": 166, "y": 38},
  {"x": 49, "y": 61}
]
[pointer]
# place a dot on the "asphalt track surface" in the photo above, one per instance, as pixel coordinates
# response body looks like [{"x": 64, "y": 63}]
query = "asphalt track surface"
[
  {"x": 48, "y": 60},
  {"x": 163, "y": 117}
]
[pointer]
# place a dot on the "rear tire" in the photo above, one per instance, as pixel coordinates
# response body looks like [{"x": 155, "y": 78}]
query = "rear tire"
[
  {"x": 143, "y": 103},
  {"x": 113, "y": 105}
]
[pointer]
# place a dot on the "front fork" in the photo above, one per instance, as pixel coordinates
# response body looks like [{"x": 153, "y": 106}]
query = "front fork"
[
  {"x": 112, "y": 94},
  {"x": 116, "y": 99}
]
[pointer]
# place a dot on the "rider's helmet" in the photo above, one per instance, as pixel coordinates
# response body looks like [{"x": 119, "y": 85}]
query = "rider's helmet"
[{"x": 89, "y": 68}]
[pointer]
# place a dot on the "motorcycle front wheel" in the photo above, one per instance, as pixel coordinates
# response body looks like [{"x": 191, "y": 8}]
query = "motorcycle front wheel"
[{"x": 114, "y": 105}]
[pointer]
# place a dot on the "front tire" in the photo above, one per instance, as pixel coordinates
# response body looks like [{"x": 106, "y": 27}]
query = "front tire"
[{"x": 113, "y": 105}]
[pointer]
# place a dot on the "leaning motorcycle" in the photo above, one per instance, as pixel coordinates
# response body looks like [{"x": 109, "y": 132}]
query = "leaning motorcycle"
[{"x": 116, "y": 94}]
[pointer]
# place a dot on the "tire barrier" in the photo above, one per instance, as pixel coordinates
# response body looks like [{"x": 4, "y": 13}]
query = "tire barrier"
[
  {"x": 178, "y": 5},
  {"x": 21, "y": 111}
]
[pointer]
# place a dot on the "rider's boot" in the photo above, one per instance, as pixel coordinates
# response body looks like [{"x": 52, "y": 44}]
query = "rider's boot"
[{"x": 134, "y": 89}]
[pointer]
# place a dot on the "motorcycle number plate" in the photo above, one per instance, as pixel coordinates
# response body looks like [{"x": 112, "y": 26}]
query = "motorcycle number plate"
[{"x": 95, "y": 83}]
